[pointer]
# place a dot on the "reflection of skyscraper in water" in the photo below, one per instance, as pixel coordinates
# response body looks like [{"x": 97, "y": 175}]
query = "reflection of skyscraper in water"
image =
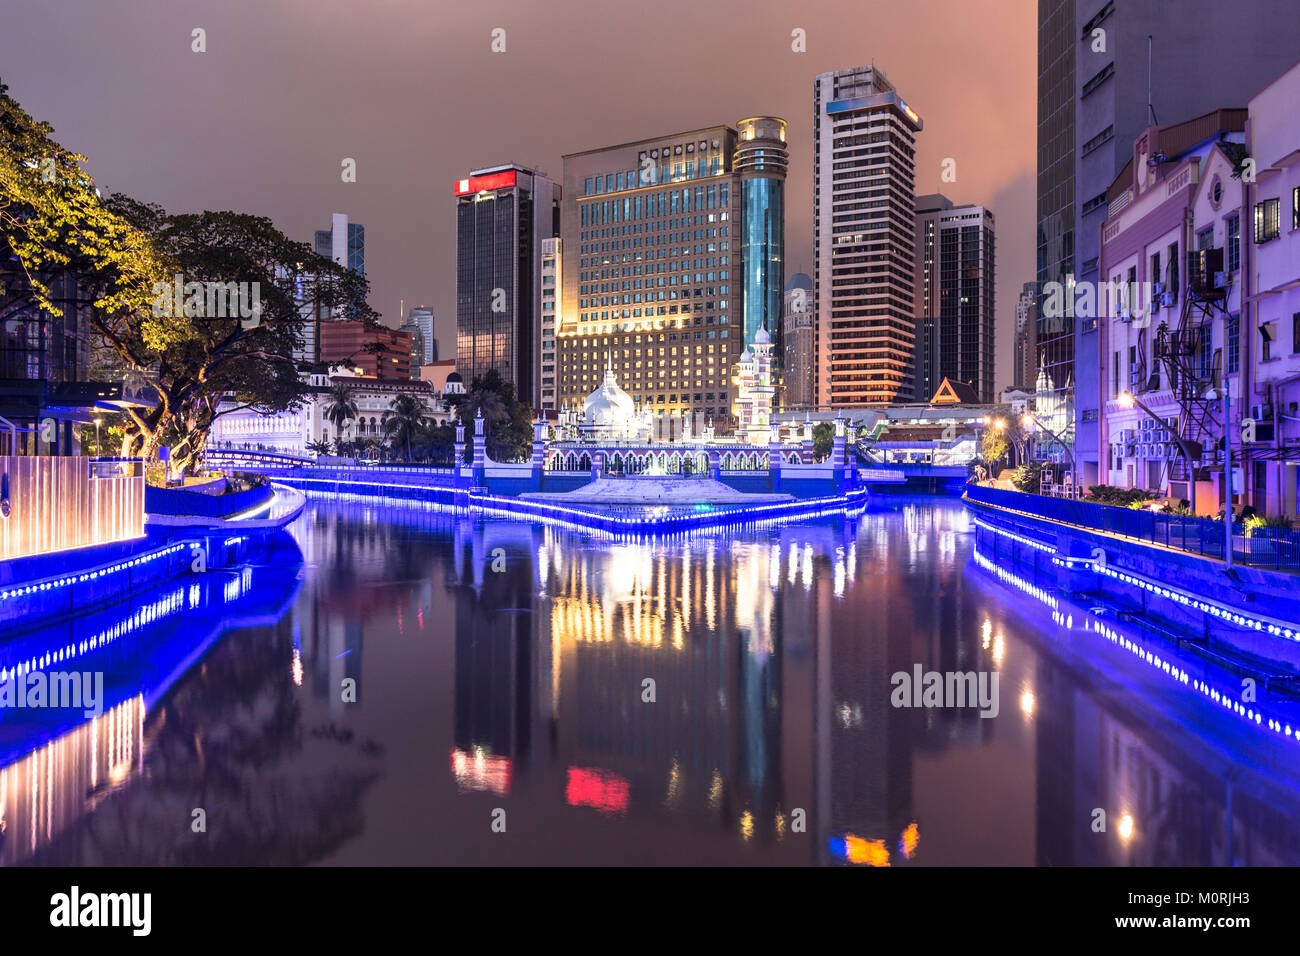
[
  {"x": 495, "y": 650},
  {"x": 699, "y": 619},
  {"x": 864, "y": 744}
]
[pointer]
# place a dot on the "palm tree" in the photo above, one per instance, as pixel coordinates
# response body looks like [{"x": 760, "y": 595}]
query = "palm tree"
[
  {"x": 342, "y": 406},
  {"x": 406, "y": 415},
  {"x": 318, "y": 447},
  {"x": 488, "y": 403}
]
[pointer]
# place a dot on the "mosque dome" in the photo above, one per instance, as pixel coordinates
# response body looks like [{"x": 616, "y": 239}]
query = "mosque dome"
[
  {"x": 761, "y": 337},
  {"x": 609, "y": 406}
]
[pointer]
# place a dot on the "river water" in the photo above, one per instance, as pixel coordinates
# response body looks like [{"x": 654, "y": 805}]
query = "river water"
[{"x": 403, "y": 686}]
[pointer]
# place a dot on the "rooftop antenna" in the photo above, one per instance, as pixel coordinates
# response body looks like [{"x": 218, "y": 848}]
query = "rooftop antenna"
[{"x": 1151, "y": 110}]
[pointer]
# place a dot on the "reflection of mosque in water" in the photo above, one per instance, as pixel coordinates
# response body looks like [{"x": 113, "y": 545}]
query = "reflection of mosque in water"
[
  {"x": 555, "y": 651},
  {"x": 566, "y": 637}
]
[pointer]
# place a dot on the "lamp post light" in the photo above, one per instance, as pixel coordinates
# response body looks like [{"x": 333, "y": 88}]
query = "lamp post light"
[
  {"x": 1127, "y": 399},
  {"x": 99, "y": 450}
]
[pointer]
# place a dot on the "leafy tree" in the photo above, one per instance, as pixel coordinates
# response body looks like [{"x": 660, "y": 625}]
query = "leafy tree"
[
  {"x": 1028, "y": 477},
  {"x": 53, "y": 225},
  {"x": 405, "y": 415},
  {"x": 437, "y": 442},
  {"x": 823, "y": 440},
  {"x": 122, "y": 256},
  {"x": 507, "y": 421},
  {"x": 995, "y": 445}
]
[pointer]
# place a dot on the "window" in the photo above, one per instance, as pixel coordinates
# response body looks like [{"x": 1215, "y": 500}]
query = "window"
[
  {"x": 1266, "y": 219},
  {"x": 1234, "y": 344},
  {"x": 1233, "y": 228},
  {"x": 1267, "y": 335},
  {"x": 1172, "y": 285},
  {"x": 1101, "y": 77},
  {"x": 1295, "y": 208},
  {"x": 1205, "y": 238},
  {"x": 1295, "y": 333}
]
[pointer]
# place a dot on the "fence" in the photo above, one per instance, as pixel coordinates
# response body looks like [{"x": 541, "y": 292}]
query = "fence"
[
  {"x": 1276, "y": 548},
  {"x": 59, "y": 503}
]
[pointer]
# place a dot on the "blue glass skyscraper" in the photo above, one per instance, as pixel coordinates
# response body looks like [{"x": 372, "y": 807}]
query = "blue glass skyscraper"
[{"x": 762, "y": 161}]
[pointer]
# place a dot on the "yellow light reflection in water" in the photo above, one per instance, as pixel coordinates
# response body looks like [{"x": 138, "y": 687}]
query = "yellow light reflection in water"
[
  {"x": 746, "y": 825},
  {"x": 999, "y": 648},
  {"x": 674, "y": 793},
  {"x": 715, "y": 790},
  {"x": 869, "y": 852},
  {"x": 1027, "y": 702},
  {"x": 908, "y": 841},
  {"x": 1126, "y": 828}
]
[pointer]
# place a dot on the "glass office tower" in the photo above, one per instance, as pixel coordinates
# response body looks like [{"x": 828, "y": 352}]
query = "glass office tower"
[{"x": 762, "y": 161}]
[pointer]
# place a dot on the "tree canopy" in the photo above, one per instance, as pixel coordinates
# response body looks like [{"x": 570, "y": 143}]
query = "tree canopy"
[{"x": 160, "y": 289}]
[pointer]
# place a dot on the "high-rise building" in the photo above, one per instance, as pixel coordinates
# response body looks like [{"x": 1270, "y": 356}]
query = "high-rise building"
[
  {"x": 423, "y": 320},
  {"x": 552, "y": 291},
  {"x": 654, "y": 234},
  {"x": 1055, "y": 375},
  {"x": 954, "y": 297},
  {"x": 344, "y": 242},
  {"x": 416, "y": 338},
  {"x": 346, "y": 343},
  {"x": 799, "y": 342},
  {"x": 1097, "y": 59},
  {"x": 503, "y": 214},
  {"x": 762, "y": 161},
  {"x": 1026, "y": 344},
  {"x": 864, "y": 221}
]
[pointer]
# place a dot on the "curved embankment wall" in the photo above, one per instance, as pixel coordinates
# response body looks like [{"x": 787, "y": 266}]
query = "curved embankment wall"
[{"x": 1245, "y": 612}]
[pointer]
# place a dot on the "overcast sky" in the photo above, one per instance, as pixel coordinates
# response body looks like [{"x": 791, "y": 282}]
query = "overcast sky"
[{"x": 411, "y": 90}]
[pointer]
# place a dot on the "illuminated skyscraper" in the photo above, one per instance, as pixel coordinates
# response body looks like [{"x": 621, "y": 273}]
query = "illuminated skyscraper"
[
  {"x": 762, "y": 160},
  {"x": 864, "y": 183},
  {"x": 954, "y": 297},
  {"x": 654, "y": 286},
  {"x": 503, "y": 214}
]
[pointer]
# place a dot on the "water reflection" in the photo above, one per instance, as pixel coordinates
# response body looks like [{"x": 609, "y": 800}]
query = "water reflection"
[{"x": 713, "y": 699}]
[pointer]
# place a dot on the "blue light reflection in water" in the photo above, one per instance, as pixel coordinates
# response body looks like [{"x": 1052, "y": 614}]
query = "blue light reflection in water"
[{"x": 420, "y": 670}]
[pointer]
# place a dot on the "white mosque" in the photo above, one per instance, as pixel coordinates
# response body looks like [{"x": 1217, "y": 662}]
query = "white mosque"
[{"x": 610, "y": 414}]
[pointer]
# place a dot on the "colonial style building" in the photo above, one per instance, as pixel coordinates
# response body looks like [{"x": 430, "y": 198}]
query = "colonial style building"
[
  {"x": 1164, "y": 332},
  {"x": 1204, "y": 225},
  {"x": 290, "y": 432}
]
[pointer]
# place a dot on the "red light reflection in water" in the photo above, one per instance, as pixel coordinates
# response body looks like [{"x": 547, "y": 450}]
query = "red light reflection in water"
[{"x": 603, "y": 791}]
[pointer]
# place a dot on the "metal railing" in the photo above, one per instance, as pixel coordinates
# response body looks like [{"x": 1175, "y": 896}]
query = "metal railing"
[{"x": 1275, "y": 548}]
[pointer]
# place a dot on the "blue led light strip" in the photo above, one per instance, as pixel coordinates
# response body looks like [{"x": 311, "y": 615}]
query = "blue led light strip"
[{"x": 1253, "y": 716}]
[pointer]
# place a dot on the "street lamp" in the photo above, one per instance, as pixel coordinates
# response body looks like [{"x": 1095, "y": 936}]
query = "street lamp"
[
  {"x": 99, "y": 449},
  {"x": 1210, "y": 396},
  {"x": 1127, "y": 399}
]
